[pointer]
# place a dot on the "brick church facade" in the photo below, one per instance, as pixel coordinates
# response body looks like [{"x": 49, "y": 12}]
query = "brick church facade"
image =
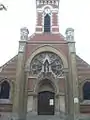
[{"x": 46, "y": 77}]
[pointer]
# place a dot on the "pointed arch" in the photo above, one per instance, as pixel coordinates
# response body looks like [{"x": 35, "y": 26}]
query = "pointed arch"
[
  {"x": 86, "y": 91},
  {"x": 47, "y": 23},
  {"x": 45, "y": 85},
  {"x": 4, "y": 90}
]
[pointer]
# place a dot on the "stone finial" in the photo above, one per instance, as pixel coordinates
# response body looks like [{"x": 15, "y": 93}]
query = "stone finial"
[
  {"x": 69, "y": 34},
  {"x": 24, "y": 33}
]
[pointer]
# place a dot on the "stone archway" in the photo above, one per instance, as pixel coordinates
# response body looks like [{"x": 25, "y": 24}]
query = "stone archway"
[
  {"x": 45, "y": 67},
  {"x": 46, "y": 98}
]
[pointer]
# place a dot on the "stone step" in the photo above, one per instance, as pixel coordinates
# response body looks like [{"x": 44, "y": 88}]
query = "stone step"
[
  {"x": 57, "y": 117},
  {"x": 45, "y": 117},
  {"x": 32, "y": 116}
]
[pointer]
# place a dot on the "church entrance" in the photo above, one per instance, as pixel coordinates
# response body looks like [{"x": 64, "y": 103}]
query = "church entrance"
[{"x": 46, "y": 102}]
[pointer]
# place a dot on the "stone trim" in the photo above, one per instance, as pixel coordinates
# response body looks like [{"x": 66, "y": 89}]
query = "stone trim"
[
  {"x": 38, "y": 26},
  {"x": 55, "y": 26},
  {"x": 46, "y": 48},
  {"x": 50, "y": 81}
]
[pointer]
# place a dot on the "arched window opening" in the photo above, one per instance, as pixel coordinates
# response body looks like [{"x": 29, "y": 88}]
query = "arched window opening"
[
  {"x": 47, "y": 23},
  {"x": 86, "y": 91},
  {"x": 4, "y": 90}
]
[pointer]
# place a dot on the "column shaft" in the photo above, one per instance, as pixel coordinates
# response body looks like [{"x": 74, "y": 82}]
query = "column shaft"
[{"x": 18, "y": 106}]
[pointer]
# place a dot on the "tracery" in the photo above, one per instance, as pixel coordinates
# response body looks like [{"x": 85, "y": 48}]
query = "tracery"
[{"x": 46, "y": 62}]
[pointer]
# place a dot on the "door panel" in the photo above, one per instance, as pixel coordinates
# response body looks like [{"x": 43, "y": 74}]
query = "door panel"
[{"x": 46, "y": 103}]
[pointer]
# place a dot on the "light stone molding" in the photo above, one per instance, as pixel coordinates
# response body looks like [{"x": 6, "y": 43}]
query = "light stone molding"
[
  {"x": 47, "y": 48},
  {"x": 72, "y": 47},
  {"x": 51, "y": 81},
  {"x": 55, "y": 26},
  {"x": 21, "y": 48},
  {"x": 38, "y": 26},
  {"x": 50, "y": 2},
  {"x": 52, "y": 9},
  {"x": 46, "y": 6}
]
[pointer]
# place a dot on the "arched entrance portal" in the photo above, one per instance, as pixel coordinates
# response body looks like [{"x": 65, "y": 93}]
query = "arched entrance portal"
[
  {"x": 46, "y": 98},
  {"x": 46, "y": 103}
]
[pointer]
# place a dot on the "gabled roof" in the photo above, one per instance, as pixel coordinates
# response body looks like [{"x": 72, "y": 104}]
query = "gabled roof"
[
  {"x": 83, "y": 67},
  {"x": 8, "y": 70},
  {"x": 8, "y": 63}
]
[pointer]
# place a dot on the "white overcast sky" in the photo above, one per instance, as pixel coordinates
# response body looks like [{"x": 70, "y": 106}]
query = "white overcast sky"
[{"x": 20, "y": 13}]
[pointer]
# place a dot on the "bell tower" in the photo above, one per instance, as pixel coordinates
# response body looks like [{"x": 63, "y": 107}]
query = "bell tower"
[{"x": 47, "y": 16}]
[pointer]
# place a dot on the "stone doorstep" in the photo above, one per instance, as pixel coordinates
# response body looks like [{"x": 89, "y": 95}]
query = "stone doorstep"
[{"x": 32, "y": 116}]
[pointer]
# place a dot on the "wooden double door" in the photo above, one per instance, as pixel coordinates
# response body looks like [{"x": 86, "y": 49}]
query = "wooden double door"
[{"x": 46, "y": 103}]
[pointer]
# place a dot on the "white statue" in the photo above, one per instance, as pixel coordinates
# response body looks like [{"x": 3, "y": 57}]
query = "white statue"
[
  {"x": 69, "y": 34},
  {"x": 46, "y": 66},
  {"x": 24, "y": 33}
]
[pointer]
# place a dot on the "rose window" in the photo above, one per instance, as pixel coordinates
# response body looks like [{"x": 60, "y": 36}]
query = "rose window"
[{"x": 46, "y": 62}]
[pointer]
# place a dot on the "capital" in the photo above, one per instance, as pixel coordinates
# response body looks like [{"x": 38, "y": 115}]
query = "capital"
[
  {"x": 69, "y": 34},
  {"x": 24, "y": 33}
]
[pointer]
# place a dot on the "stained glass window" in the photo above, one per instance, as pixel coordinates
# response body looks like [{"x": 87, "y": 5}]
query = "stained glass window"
[{"x": 46, "y": 62}]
